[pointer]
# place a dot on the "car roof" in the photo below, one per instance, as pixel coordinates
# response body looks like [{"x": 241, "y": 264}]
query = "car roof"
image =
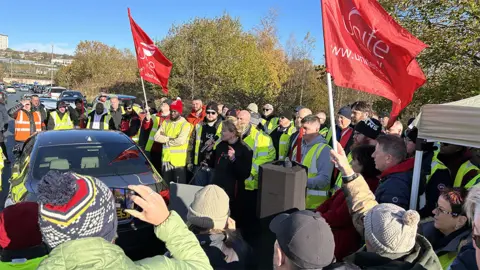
[{"x": 80, "y": 136}]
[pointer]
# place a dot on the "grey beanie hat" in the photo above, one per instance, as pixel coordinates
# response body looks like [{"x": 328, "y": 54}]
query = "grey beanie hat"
[
  {"x": 210, "y": 209},
  {"x": 389, "y": 229}
]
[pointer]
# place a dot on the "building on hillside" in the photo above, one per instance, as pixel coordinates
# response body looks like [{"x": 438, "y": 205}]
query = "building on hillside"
[
  {"x": 64, "y": 62},
  {"x": 3, "y": 42}
]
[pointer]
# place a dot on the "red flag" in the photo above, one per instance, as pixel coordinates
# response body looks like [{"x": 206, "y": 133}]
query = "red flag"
[
  {"x": 368, "y": 51},
  {"x": 153, "y": 65}
]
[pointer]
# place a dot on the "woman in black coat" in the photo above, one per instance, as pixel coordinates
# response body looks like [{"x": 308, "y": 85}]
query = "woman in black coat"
[{"x": 233, "y": 163}]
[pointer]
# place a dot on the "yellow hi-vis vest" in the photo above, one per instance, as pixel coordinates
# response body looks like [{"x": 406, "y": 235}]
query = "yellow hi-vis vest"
[
  {"x": 315, "y": 196},
  {"x": 271, "y": 126},
  {"x": 466, "y": 167},
  {"x": 447, "y": 259},
  {"x": 28, "y": 264},
  {"x": 17, "y": 182},
  {"x": 198, "y": 140},
  {"x": 435, "y": 165},
  {"x": 283, "y": 143},
  {"x": 151, "y": 135},
  {"x": 176, "y": 155},
  {"x": 328, "y": 137},
  {"x": 105, "y": 119},
  {"x": 339, "y": 181},
  {"x": 324, "y": 132},
  {"x": 61, "y": 123},
  {"x": 473, "y": 182},
  {"x": 263, "y": 152}
]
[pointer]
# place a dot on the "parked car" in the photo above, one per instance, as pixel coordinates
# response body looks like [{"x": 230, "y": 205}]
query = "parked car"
[
  {"x": 56, "y": 91},
  {"x": 24, "y": 89},
  {"x": 110, "y": 156},
  {"x": 69, "y": 96},
  {"x": 49, "y": 103},
  {"x": 11, "y": 90}
]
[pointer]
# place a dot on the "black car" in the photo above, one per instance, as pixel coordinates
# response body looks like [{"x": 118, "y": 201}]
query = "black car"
[
  {"x": 110, "y": 156},
  {"x": 69, "y": 96}
]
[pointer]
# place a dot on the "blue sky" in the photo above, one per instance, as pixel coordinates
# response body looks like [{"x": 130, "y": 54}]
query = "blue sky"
[{"x": 37, "y": 24}]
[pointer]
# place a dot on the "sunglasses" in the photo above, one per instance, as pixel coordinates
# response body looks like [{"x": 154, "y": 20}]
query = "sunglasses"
[
  {"x": 128, "y": 108},
  {"x": 266, "y": 110},
  {"x": 211, "y": 112}
]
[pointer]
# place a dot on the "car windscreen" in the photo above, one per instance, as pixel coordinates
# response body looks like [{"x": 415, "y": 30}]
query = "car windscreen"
[
  {"x": 71, "y": 94},
  {"x": 57, "y": 90},
  {"x": 106, "y": 159}
]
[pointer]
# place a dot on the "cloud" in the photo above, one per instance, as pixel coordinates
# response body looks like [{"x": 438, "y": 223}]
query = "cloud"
[{"x": 58, "y": 48}]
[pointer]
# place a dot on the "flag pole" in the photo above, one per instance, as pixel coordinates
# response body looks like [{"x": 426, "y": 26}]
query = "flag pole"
[
  {"x": 144, "y": 92},
  {"x": 331, "y": 112}
]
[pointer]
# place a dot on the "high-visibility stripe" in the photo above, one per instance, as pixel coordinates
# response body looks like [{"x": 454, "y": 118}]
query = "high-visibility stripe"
[
  {"x": 262, "y": 154},
  {"x": 314, "y": 192}
]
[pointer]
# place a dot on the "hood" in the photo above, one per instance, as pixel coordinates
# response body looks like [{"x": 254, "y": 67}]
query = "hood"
[
  {"x": 404, "y": 166},
  {"x": 422, "y": 256},
  {"x": 87, "y": 253}
]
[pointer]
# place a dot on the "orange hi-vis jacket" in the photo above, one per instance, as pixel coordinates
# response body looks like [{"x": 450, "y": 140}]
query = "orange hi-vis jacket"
[{"x": 22, "y": 125}]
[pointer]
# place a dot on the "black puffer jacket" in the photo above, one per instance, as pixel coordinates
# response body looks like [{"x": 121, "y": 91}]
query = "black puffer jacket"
[{"x": 233, "y": 253}]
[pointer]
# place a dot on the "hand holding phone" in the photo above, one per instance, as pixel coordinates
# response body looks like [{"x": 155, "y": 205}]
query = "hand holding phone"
[{"x": 155, "y": 210}]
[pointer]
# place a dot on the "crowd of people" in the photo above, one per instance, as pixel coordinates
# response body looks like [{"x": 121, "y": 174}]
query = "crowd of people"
[{"x": 357, "y": 198}]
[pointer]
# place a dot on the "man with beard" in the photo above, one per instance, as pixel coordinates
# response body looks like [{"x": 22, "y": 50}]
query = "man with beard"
[
  {"x": 130, "y": 123},
  {"x": 360, "y": 111},
  {"x": 37, "y": 106},
  {"x": 205, "y": 135},
  {"x": 174, "y": 135},
  {"x": 150, "y": 124}
]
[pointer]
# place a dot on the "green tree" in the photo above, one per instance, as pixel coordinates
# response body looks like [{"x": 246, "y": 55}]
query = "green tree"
[
  {"x": 452, "y": 31},
  {"x": 216, "y": 60},
  {"x": 97, "y": 66}
]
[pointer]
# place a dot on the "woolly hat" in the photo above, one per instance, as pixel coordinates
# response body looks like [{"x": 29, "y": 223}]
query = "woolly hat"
[
  {"x": 232, "y": 112},
  {"x": 74, "y": 207},
  {"x": 212, "y": 106},
  {"x": 19, "y": 226},
  {"x": 389, "y": 229},
  {"x": 210, "y": 208},
  {"x": 252, "y": 107},
  {"x": 346, "y": 112},
  {"x": 370, "y": 127},
  {"x": 177, "y": 105},
  {"x": 412, "y": 134}
]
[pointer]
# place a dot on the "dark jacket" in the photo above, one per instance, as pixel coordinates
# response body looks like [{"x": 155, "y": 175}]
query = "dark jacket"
[
  {"x": 335, "y": 212},
  {"x": 231, "y": 175},
  {"x": 130, "y": 124},
  {"x": 233, "y": 253},
  {"x": 466, "y": 259},
  {"x": 43, "y": 112},
  {"x": 422, "y": 257},
  {"x": 193, "y": 136},
  {"x": 395, "y": 184},
  {"x": 116, "y": 119},
  {"x": 3, "y": 117},
  {"x": 441, "y": 244}
]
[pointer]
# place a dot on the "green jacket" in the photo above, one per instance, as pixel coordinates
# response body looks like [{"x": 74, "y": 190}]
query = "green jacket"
[{"x": 96, "y": 253}]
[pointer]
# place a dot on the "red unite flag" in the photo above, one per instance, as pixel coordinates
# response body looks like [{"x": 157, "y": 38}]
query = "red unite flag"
[
  {"x": 153, "y": 65},
  {"x": 368, "y": 51}
]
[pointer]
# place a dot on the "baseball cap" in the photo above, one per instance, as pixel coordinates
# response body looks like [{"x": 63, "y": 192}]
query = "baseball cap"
[
  {"x": 305, "y": 238},
  {"x": 298, "y": 108}
]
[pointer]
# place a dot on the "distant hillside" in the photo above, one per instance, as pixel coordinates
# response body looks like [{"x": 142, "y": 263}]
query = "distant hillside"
[{"x": 39, "y": 57}]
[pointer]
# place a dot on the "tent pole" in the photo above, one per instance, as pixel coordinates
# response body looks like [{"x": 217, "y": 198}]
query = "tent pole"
[{"x": 416, "y": 179}]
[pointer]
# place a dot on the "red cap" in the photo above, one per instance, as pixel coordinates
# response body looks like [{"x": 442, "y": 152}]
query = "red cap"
[
  {"x": 177, "y": 105},
  {"x": 19, "y": 227}
]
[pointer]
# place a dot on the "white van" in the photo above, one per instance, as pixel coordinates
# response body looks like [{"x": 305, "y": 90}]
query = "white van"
[{"x": 56, "y": 91}]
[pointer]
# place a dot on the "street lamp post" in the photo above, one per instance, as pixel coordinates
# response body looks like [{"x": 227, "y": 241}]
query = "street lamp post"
[{"x": 51, "y": 62}]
